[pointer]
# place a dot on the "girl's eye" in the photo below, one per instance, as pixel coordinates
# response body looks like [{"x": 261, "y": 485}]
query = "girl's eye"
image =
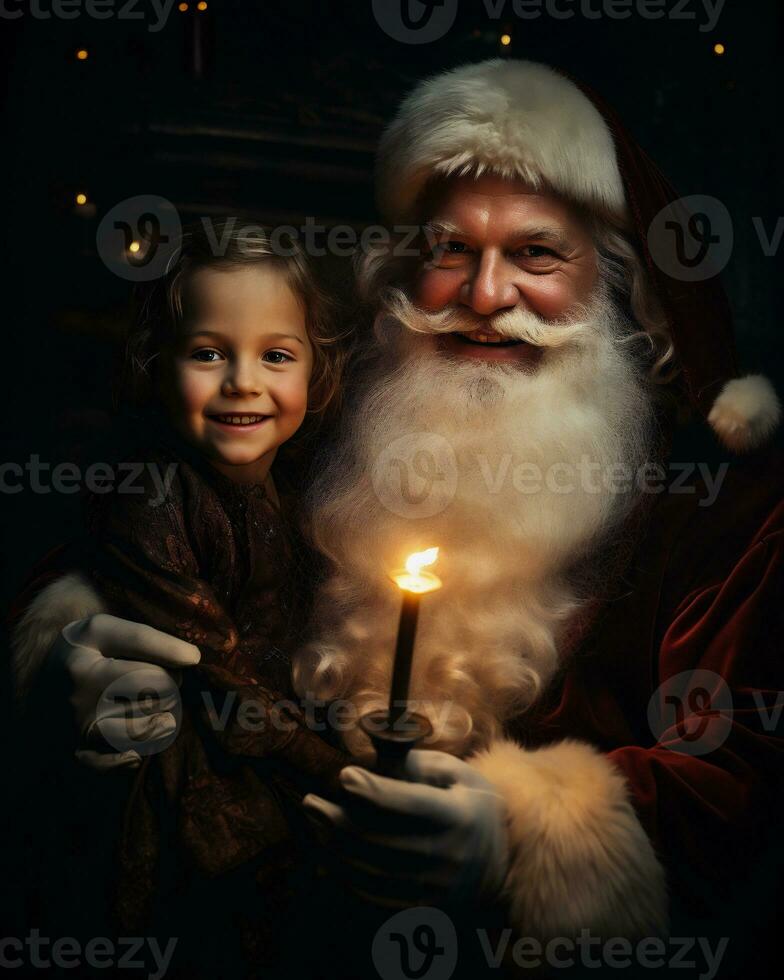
[
  {"x": 277, "y": 357},
  {"x": 206, "y": 355}
]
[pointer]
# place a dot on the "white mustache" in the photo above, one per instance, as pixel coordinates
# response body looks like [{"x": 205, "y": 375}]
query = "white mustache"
[
  {"x": 525, "y": 325},
  {"x": 513, "y": 324}
]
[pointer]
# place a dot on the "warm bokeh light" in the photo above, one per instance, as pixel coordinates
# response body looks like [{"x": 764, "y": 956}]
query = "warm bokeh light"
[
  {"x": 81, "y": 199},
  {"x": 134, "y": 247},
  {"x": 81, "y": 54},
  {"x": 202, "y": 5},
  {"x": 506, "y": 39},
  {"x": 718, "y": 49},
  {"x": 182, "y": 7}
]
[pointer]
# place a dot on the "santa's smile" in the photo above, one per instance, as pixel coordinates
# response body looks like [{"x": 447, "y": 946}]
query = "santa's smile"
[
  {"x": 487, "y": 344},
  {"x": 486, "y": 335}
]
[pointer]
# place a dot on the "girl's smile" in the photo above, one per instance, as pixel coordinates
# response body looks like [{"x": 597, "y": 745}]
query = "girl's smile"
[{"x": 239, "y": 422}]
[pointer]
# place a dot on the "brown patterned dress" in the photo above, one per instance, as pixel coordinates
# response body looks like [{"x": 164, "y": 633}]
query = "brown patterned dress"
[{"x": 219, "y": 565}]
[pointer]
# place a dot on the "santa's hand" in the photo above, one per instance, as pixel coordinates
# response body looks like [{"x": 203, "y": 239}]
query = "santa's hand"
[
  {"x": 439, "y": 839},
  {"x": 126, "y": 702}
]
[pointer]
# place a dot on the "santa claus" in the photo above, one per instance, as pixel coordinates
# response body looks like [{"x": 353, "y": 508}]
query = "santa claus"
[
  {"x": 534, "y": 341},
  {"x": 599, "y": 665}
]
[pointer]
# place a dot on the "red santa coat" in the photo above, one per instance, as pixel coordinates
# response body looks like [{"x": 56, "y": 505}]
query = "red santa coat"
[{"x": 648, "y": 780}]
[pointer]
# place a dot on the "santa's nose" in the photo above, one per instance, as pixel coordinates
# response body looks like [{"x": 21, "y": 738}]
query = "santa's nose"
[{"x": 490, "y": 287}]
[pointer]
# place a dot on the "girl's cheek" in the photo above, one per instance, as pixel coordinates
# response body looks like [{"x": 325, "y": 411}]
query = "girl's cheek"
[
  {"x": 195, "y": 389},
  {"x": 291, "y": 393}
]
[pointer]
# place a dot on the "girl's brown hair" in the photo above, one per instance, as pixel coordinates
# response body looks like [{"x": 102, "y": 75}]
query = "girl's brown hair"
[{"x": 228, "y": 244}]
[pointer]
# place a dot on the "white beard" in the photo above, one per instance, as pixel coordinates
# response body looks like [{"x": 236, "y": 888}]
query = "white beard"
[{"x": 488, "y": 641}]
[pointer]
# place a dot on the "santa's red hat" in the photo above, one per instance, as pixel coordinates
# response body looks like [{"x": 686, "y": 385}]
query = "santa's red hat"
[{"x": 526, "y": 120}]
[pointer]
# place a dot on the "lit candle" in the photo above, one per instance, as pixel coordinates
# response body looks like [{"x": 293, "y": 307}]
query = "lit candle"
[{"x": 414, "y": 583}]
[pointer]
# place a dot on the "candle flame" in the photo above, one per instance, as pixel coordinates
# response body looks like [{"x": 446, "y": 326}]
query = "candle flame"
[
  {"x": 416, "y": 562},
  {"x": 412, "y": 578}
]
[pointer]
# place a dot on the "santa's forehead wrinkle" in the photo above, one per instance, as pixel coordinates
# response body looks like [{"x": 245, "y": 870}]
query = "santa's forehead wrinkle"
[
  {"x": 552, "y": 232},
  {"x": 474, "y": 213}
]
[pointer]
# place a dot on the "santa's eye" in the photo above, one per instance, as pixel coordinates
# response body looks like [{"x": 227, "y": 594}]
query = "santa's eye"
[
  {"x": 444, "y": 251},
  {"x": 206, "y": 355},
  {"x": 536, "y": 252}
]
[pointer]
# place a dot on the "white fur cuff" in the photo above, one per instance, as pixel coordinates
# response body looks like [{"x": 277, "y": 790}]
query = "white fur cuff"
[
  {"x": 580, "y": 857},
  {"x": 64, "y": 600}
]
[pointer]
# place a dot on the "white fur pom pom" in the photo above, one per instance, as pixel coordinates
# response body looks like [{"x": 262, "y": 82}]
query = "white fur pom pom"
[{"x": 746, "y": 412}]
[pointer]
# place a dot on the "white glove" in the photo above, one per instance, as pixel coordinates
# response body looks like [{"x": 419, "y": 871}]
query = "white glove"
[
  {"x": 126, "y": 704},
  {"x": 440, "y": 839}
]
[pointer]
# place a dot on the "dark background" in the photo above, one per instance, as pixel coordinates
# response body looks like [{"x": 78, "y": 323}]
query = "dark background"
[{"x": 274, "y": 108}]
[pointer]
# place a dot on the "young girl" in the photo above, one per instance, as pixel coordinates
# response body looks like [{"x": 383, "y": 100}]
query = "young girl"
[{"x": 231, "y": 354}]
